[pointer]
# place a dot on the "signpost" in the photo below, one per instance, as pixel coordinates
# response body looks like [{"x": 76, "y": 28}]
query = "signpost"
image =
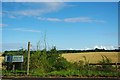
[
  {"x": 16, "y": 58},
  {"x": 28, "y": 58},
  {"x": 19, "y": 58}
]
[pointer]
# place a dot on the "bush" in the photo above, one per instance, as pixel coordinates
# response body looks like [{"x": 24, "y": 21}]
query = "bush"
[
  {"x": 61, "y": 64},
  {"x": 47, "y": 62},
  {"x": 104, "y": 61},
  {"x": 50, "y": 63},
  {"x": 79, "y": 65},
  {"x": 38, "y": 61}
]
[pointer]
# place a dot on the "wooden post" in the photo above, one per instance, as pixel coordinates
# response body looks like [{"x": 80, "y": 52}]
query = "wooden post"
[
  {"x": 118, "y": 71},
  {"x": 13, "y": 68},
  {"x": 28, "y": 58}
]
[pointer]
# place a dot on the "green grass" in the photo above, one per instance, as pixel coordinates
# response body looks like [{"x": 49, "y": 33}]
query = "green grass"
[
  {"x": 78, "y": 69},
  {"x": 77, "y": 73},
  {"x": 64, "y": 73}
]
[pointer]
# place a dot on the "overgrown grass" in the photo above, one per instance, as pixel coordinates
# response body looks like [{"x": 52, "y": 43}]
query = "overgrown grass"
[
  {"x": 13, "y": 73},
  {"x": 50, "y": 64},
  {"x": 64, "y": 73},
  {"x": 77, "y": 73}
]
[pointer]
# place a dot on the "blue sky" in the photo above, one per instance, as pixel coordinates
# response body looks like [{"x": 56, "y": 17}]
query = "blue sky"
[{"x": 67, "y": 25}]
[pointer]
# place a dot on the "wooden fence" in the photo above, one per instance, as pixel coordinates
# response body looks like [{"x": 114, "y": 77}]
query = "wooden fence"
[{"x": 104, "y": 63}]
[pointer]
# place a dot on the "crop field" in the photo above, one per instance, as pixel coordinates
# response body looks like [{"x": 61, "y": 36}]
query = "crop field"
[
  {"x": 92, "y": 57},
  {"x": 1, "y": 60}
]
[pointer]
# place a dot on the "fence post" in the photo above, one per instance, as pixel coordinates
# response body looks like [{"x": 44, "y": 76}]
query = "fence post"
[{"x": 28, "y": 58}]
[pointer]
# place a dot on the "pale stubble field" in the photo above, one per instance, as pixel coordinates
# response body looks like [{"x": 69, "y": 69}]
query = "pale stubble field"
[{"x": 92, "y": 57}]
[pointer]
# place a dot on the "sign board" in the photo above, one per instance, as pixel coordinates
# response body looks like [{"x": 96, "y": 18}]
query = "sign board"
[
  {"x": 8, "y": 58},
  {"x": 14, "y": 58},
  {"x": 17, "y": 58}
]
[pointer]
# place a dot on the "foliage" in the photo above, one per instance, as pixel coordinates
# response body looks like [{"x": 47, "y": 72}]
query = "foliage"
[
  {"x": 50, "y": 63},
  {"x": 47, "y": 62},
  {"x": 86, "y": 63},
  {"x": 105, "y": 61},
  {"x": 79, "y": 65},
  {"x": 38, "y": 61}
]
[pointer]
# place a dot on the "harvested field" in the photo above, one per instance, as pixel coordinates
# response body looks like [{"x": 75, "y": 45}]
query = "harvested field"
[
  {"x": 92, "y": 57},
  {"x": 1, "y": 60}
]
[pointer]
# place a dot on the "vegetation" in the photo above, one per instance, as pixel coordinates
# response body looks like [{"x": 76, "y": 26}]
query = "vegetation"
[{"x": 45, "y": 63}]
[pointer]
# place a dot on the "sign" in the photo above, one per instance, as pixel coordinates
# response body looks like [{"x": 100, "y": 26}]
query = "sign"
[
  {"x": 17, "y": 58},
  {"x": 8, "y": 58},
  {"x": 14, "y": 58}
]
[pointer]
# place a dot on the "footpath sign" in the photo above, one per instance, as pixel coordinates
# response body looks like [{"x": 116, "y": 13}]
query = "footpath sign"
[{"x": 17, "y": 58}]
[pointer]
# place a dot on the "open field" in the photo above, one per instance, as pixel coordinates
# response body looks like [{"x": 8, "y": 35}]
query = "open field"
[
  {"x": 1, "y": 60},
  {"x": 1, "y": 53},
  {"x": 93, "y": 57}
]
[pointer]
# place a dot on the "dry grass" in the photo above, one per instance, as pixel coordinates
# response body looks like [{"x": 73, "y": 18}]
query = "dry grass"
[
  {"x": 93, "y": 57},
  {"x": 1, "y": 60}
]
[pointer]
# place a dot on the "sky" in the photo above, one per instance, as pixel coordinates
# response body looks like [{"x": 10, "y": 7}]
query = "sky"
[
  {"x": 60, "y": 0},
  {"x": 66, "y": 25}
]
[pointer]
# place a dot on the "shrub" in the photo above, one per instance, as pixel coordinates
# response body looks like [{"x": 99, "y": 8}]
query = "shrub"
[
  {"x": 104, "y": 61},
  {"x": 48, "y": 62},
  {"x": 61, "y": 64},
  {"x": 79, "y": 65}
]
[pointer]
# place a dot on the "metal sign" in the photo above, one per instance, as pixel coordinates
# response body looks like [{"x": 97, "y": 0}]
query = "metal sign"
[
  {"x": 8, "y": 58},
  {"x": 17, "y": 59},
  {"x": 14, "y": 58}
]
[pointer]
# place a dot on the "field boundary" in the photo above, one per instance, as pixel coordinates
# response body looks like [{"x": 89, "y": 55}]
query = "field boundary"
[{"x": 104, "y": 64}]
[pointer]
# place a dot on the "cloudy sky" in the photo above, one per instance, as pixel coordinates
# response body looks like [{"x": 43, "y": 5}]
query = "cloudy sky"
[{"x": 66, "y": 25}]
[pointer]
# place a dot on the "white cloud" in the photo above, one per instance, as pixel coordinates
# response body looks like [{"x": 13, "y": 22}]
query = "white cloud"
[
  {"x": 106, "y": 47},
  {"x": 42, "y": 8},
  {"x": 96, "y": 47},
  {"x": 49, "y": 19},
  {"x": 53, "y": 19},
  {"x": 0, "y": 12},
  {"x": 87, "y": 48},
  {"x": 13, "y": 17},
  {"x": 100, "y": 47},
  {"x": 3, "y": 25},
  {"x": 41, "y": 18},
  {"x": 29, "y": 12},
  {"x": 78, "y": 19},
  {"x": 25, "y": 30},
  {"x": 81, "y": 19},
  {"x": 71, "y": 49},
  {"x": 73, "y": 20}
]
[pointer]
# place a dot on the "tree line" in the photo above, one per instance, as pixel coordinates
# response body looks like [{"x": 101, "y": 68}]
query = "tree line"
[
  {"x": 45, "y": 63},
  {"x": 21, "y": 51}
]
